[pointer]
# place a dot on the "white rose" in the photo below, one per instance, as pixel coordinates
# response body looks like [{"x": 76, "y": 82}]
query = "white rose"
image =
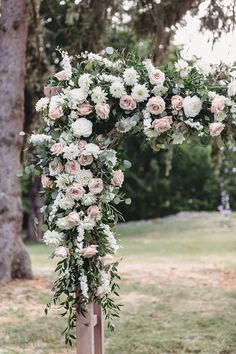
[
  {"x": 192, "y": 106},
  {"x": 91, "y": 149},
  {"x": 82, "y": 127},
  {"x": 232, "y": 88}
]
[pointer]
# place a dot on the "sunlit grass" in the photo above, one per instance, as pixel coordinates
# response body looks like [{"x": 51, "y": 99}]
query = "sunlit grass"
[{"x": 178, "y": 289}]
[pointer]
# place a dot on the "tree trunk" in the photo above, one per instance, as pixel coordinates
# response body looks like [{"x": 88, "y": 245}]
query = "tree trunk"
[{"x": 14, "y": 260}]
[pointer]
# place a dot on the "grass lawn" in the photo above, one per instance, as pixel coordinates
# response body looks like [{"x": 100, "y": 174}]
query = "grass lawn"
[{"x": 178, "y": 289}]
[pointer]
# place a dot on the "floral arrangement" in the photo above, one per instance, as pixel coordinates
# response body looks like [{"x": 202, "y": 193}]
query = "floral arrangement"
[{"x": 87, "y": 110}]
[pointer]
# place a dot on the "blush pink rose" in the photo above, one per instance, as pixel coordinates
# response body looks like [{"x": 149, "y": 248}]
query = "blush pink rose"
[
  {"x": 73, "y": 218},
  {"x": 157, "y": 77},
  {"x": 218, "y": 104},
  {"x": 84, "y": 109},
  {"x": 61, "y": 75},
  {"x": 93, "y": 211},
  {"x": 81, "y": 145},
  {"x": 55, "y": 113},
  {"x": 162, "y": 125},
  {"x": 55, "y": 168},
  {"x": 75, "y": 191},
  {"x": 57, "y": 148},
  {"x": 95, "y": 185},
  {"x": 72, "y": 167},
  {"x": 102, "y": 110},
  {"x": 177, "y": 102},
  {"x": 156, "y": 105},
  {"x": 127, "y": 103},
  {"x": 85, "y": 160},
  {"x": 107, "y": 260},
  {"x": 117, "y": 178},
  {"x": 89, "y": 251},
  {"x": 46, "y": 182},
  {"x": 216, "y": 128}
]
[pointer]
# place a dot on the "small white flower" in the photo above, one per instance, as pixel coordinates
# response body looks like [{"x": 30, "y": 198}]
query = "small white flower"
[
  {"x": 140, "y": 93},
  {"x": 71, "y": 152},
  {"x": 82, "y": 127},
  {"x": 110, "y": 237},
  {"x": 98, "y": 95},
  {"x": 203, "y": 66},
  {"x": 220, "y": 116},
  {"x": 130, "y": 76},
  {"x": 75, "y": 97},
  {"x": 53, "y": 238},
  {"x": 196, "y": 125},
  {"x": 117, "y": 89},
  {"x": 89, "y": 199},
  {"x": 178, "y": 138},
  {"x": 64, "y": 224},
  {"x": 88, "y": 223},
  {"x": 110, "y": 157},
  {"x": 63, "y": 180},
  {"x": 84, "y": 285},
  {"x": 159, "y": 90},
  {"x": 192, "y": 106},
  {"x": 183, "y": 67},
  {"x": 42, "y": 104},
  {"x": 65, "y": 64},
  {"x": 85, "y": 81},
  {"x": 124, "y": 125}
]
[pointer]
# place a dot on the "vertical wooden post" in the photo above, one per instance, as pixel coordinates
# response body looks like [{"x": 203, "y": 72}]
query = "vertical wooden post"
[{"x": 90, "y": 331}]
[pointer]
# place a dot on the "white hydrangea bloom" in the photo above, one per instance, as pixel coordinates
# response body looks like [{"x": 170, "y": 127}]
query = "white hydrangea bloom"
[
  {"x": 42, "y": 104},
  {"x": 92, "y": 149},
  {"x": 38, "y": 139},
  {"x": 98, "y": 95},
  {"x": 88, "y": 223},
  {"x": 117, "y": 89},
  {"x": 71, "y": 152},
  {"x": 82, "y": 127},
  {"x": 140, "y": 93},
  {"x": 75, "y": 96},
  {"x": 130, "y": 76},
  {"x": 53, "y": 238}
]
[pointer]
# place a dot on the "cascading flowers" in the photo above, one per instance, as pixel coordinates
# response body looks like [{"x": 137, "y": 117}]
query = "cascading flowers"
[{"x": 87, "y": 109}]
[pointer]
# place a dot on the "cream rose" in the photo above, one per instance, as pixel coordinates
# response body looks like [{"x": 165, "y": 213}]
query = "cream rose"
[
  {"x": 95, "y": 185},
  {"x": 218, "y": 104},
  {"x": 85, "y": 160},
  {"x": 89, "y": 251},
  {"x": 46, "y": 182},
  {"x": 55, "y": 113},
  {"x": 156, "y": 77},
  {"x": 216, "y": 128},
  {"x": 82, "y": 127},
  {"x": 192, "y": 106},
  {"x": 55, "y": 168},
  {"x": 127, "y": 103},
  {"x": 61, "y": 75},
  {"x": 75, "y": 191},
  {"x": 57, "y": 148},
  {"x": 156, "y": 105},
  {"x": 72, "y": 167},
  {"x": 102, "y": 110},
  {"x": 177, "y": 102},
  {"x": 93, "y": 211},
  {"x": 117, "y": 178},
  {"x": 162, "y": 125},
  {"x": 84, "y": 109}
]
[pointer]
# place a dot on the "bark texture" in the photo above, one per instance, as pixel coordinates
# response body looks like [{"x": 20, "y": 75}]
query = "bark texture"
[{"x": 14, "y": 260}]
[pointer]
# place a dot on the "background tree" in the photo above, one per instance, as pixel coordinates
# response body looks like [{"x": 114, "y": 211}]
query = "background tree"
[{"x": 14, "y": 260}]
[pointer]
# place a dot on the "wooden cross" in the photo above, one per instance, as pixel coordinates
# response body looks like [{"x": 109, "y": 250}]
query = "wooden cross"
[{"x": 90, "y": 331}]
